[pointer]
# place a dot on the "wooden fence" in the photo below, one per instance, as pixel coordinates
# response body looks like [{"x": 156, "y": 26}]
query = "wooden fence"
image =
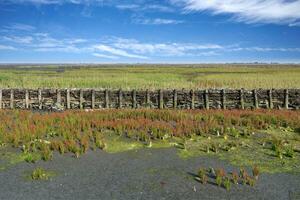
[{"x": 51, "y": 99}]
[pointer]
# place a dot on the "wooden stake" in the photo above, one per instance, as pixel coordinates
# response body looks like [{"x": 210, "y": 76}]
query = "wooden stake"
[
  {"x": 12, "y": 99},
  {"x": 148, "y": 98},
  {"x": 286, "y": 99},
  {"x": 174, "y": 99},
  {"x": 270, "y": 99},
  {"x": 106, "y": 99},
  {"x": 255, "y": 99},
  {"x": 134, "y": 105},
  {"x": 161, "y": 99},
  {"x": 26, "y": 99},
  {"x": 192, "y": 93},
  {"x": 223, "y": 99},
  {"x": 58, "y": 97},
  {"x": 0, "y": 98},
  {"x": 68, "y": 99},
  {"x": 206, "y": 99},
  {"x": 242, "y": 99},
  {"x": 81, "y": 99},
  {"x": 120, "y": 99},
  {"x": 93, "y": 99},
  {"x": 40, "y": 99}
]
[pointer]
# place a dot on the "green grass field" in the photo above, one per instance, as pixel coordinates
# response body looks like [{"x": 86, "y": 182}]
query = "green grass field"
[{"x": 151, "y": 77}]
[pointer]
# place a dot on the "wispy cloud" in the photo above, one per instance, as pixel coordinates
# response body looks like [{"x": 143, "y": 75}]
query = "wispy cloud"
[
  {"x": 162, "y": 49},
  {"x": 249, "y": 11},
  {"x": 6, "y": 47},
  {"x": 116, "y": 48},
  {"x": 156, "y": 21},
  {"x": 19, "y": 27},
  {"x": 145, "y": 7},
  {"x": 21, "y": 40},
  {"x": 264, "y": 49},
  {"x": 118, "y": 52},
  {"x": 105, "y": 56}
]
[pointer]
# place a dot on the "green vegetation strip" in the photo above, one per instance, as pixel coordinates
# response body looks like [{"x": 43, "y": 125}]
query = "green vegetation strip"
[{"x": 152, "y": 77}]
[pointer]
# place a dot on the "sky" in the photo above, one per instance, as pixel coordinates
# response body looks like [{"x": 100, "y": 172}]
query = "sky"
[{"x": 149, "y": 31}]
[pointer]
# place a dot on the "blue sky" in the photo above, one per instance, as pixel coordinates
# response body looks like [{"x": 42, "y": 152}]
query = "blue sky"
[{"x": 149, "y": 31}]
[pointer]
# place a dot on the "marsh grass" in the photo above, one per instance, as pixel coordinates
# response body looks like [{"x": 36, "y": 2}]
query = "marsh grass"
[{"x": 154, "y": 77}]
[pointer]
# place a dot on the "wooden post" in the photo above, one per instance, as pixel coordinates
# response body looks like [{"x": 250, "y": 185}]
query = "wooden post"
[
  {"x": 58, "y": 97},
  {"x": 26, "y": 99},
  {"x": 81, "y": 99},
  {"x": 255, "y": 99},
  {"x": 206, "y": 99},
  {"x": 12, "y": 99},
  {"x": 286, "y": 99},
  {"x": 68, "y": 99},
  {"x": 242, "y": 99},
  {"x": 148, "y": 98},
  {"x": 93, "y": 99},
  {"x": 134, "y": 105},
  {"x": 106, "y": 98},
  {"x": 120, "y": 99},
  {"x": 40, "y": 99},
  {"x": 174, "y": 99},
  {"x": 192, "y": 93},
  {"x": 270, "y": 99},
  {"x": 161, "y": 99},
  {"x": 0, "y": 98},
  {"x": 223, "y": 99}
]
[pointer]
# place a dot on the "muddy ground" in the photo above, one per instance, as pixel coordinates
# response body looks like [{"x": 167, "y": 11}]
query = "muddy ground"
[{"x": 137, "y": 174}]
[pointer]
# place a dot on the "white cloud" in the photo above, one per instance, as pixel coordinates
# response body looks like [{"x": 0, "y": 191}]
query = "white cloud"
[
  {"x": 20, "y": 27},
  {"x": 117, "y": 48},
  {"x": 66, "y": 49},
  {"x": 5, "y": 47},
  {"x": 249, "y": 11},
  {"x": 157, "y": 21},
  {"x": 118, "y": 52},
  {"x": 265, "y": 49},
  {"x": 162, "y": 49},
  {"x": 21, "y": 40},
  {"x": 105, "y": 56},
  {"x": 128, "y": 6}
]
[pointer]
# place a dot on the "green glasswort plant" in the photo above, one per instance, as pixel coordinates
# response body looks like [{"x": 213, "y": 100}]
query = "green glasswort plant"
[
  {"x": 220, "y": 173},
  {"x": 40, "y": 174},
  {"x": 235, "y": 177},
  {"x": 289, "y": 151},
  {"x": 255, "y": 172},
  {"x": 250, "y": 181},
  {"x": 243, "y": 175},
  {"x": 202, "y": 175},
  {"x": 227, "y": 183}
]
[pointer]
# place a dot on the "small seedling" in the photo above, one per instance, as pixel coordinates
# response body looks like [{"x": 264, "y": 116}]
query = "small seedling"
[
  {"x": 235, "y": 177},
  {"x": 46, "y": 153},
  {"x": 207, "y": 149},
  {"x": 250, "y": 181},
  {"x": 279, "y": 153},
  {"x": 255, "y": 172},
  {"x": 40, "y": 174},
  {"x": 215, "y": 147},
  {"x": 220, "y": 173},
  {"x": 202, "y": 175},
  {"x": 31, "y": 158},
  {"x": 289, "y": 151},
  {"x": 227, "y": 183},
  {"x": 243, "y": 175}
]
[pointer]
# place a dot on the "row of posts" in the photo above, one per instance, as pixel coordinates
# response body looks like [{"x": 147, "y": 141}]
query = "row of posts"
[{"x": 160, "y": 103}]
